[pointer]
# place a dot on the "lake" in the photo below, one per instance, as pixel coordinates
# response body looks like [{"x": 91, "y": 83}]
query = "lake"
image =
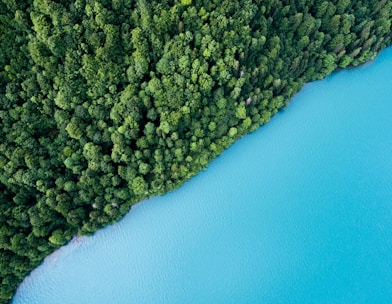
[{"x": 300, "y": 211}]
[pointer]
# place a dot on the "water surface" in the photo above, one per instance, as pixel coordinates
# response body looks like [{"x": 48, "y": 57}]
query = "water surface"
[{"x": 298, "y": 212}]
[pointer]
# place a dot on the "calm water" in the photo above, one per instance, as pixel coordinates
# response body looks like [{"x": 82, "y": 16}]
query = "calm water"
[{"x": 298, "y": 212}]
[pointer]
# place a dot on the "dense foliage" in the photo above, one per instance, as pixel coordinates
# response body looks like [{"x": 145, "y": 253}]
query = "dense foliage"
[{"x": 107, "y": 102}]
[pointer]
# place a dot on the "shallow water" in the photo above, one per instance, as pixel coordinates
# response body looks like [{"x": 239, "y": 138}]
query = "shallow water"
[{"x": 298, "y": 212}]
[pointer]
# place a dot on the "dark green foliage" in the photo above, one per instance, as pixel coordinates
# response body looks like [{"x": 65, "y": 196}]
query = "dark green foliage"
[{"x": 106, "y": 103}]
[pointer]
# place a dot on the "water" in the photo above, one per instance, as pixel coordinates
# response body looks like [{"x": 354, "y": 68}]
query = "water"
[{"x": 298, "y": 212}]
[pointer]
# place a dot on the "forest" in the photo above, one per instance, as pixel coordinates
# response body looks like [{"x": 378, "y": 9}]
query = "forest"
[{"x": 104, "y": 103}]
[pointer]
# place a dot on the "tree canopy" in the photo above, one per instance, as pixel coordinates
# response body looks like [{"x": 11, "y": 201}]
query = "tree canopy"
[{"x": 107, "y": 102}]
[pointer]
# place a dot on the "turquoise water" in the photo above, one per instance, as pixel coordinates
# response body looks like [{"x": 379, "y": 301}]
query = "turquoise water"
[{"x": 298, "y": 212}]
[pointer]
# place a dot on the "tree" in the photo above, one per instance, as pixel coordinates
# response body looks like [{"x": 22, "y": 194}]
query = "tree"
[
  {"x": 139, "y": 186},
  {"x": 58, "y": 237}
]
